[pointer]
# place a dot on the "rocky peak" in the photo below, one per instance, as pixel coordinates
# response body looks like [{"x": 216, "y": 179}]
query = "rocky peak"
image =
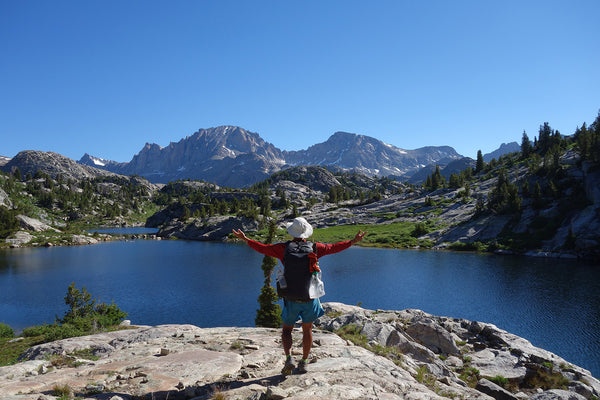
[
  {"x": 367, "y": 155},
  {"x": 98, "y": 162},
  {"x": 232, "y": 156},
  {"x": 209, "y": 154},
  {"x": 505, "y": 148},
  {"x": 54, "y": 164}
]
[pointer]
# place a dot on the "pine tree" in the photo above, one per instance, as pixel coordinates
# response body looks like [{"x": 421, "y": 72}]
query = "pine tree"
[
  {"x": 269, "y": 313},
  {"x": 546, "y": 138},
  {"x": 538, "y": 200},
  {"x": 455, "y": 181},
  {"x": 480, "y": 163},
  {"x": 17, "y": 174},
  {"x": 186, "y": 214},
  {"x": 526, "y": 147},
  {"x": 8, "y": 222},
  {"x": 438, "y": 179},
  {"x": 428, "y": 182},
  {"x": 504, "y": 198}
]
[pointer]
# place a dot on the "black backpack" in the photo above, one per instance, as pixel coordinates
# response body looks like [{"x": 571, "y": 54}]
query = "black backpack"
[{"x": 296, "y": 265}]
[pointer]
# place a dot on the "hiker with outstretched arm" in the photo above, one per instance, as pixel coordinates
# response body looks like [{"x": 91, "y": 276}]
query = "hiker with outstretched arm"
[{"x": 296, "y": 302}]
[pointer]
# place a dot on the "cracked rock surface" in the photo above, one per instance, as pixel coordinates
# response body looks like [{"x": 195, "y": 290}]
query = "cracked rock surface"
[{"x": 188, "y": 362}]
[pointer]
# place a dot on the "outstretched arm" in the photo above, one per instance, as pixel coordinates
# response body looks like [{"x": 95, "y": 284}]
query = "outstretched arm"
[
  {"x": 359, "y": 236},
  {"x": 325, "y": 249},
  {"x": 240, "y": 235},
  {"x": 272, "y": 250}
]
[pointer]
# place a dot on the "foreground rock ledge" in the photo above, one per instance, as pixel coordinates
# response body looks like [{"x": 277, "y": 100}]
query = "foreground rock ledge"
[{"x": 422, "y": 358}]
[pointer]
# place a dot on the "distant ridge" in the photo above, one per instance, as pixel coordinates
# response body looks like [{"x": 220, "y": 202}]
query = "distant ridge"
[
  {"x": 232, "y": 156},
  {"x": 504, "y": 148}
]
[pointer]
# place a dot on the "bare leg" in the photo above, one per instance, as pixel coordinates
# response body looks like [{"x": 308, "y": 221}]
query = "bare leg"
[
  {"x": 307, "y": 339},
  {"x": 286, "y": 338}
]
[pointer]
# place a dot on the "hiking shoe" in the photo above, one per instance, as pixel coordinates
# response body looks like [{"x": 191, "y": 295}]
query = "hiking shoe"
[
  {"x": 301, "y": 367},
  {"x": 288, "y": 366}
]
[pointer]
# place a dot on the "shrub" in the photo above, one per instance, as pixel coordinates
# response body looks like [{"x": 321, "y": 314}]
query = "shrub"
[
  {"x": 35, "y": 331},
  {"x": 8, "y": 222},
  {"x": 500, "y": 381},
  {"x": 85, "y": 315},
  {"x": 6, "y": 331},
  {"x": 470, "y": 375},
  {"x": 423, "y": 376},
  {"x": 53, "y": 332},
  {"x": 62, "y": 391},
  {"x": 470, "y": 246},
  {"x": 419, "y": 230}
]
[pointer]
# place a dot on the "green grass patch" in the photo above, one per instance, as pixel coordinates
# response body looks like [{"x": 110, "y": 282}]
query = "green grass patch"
[
  {"x": 423, "y": 376},
  {"x": 385, "y": 216},
  {"x": 500, "y": 381},
  {"x": 352, "y": 333},
  {"x": 546, "y": 380},
  {"x": 395, "y": 235},
  {"x": 11, "y": 349},
  {"x": 470, "y": 375}
]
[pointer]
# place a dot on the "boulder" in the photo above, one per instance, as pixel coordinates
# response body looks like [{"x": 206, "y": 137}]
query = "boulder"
[
  {"x": 497, "y": 392},
  {"x": 492, "y": 362},
  {"x": 32, "y": 224},
  {"x": 557, "y": 394},
  {"x": 83, "y": 239},
  {"x": 380, "y": 333},
  {"x": 19, "y": 238},
  {"x": 434, "y": 337}
]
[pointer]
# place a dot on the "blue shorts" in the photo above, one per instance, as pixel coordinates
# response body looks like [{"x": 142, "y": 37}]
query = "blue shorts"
[{"x": 309, "y": 312}]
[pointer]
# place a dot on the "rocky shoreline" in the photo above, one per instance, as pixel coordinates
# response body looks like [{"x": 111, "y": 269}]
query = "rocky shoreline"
[{"x": 357, "y": 354}]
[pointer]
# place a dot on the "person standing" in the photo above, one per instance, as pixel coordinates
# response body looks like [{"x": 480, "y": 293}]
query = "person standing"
[{"x": 307, "y": 310}]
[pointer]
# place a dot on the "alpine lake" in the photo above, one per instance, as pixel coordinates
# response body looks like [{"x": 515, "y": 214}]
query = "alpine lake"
[{"x": 553, "y": 303}]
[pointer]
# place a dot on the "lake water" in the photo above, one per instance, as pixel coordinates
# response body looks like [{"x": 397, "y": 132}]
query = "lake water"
[
  {"x": 125, "y": 230},
  {"x": 553, "y": 303}
]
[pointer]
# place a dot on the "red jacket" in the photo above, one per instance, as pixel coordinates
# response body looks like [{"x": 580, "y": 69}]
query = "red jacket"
[{"x": 277, "y": 250}]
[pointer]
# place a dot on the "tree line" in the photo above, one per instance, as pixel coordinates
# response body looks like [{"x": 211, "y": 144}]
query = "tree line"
[{"x": 547, "y": 180}]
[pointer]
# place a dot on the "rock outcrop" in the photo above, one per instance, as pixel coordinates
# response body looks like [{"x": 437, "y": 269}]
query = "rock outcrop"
[
  {"x": 54, "y": 164},
  {"x": 357, "y": 354},
  {"x": 211, "y": 229},
  {"x": 34, "y": 224},
  {"x": 4, "y": 199}
]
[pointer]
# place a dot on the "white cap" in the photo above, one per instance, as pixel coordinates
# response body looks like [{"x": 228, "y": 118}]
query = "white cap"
[{"x": 300, "y": 228}]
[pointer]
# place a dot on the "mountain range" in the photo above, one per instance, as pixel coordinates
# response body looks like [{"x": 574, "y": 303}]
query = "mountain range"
[{"x": 234, "y": 157}]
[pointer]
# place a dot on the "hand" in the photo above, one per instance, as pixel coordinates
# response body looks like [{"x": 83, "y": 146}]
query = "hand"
[
  {"x": 240, "y": 235},
  {"x": 359, "y": 236}
]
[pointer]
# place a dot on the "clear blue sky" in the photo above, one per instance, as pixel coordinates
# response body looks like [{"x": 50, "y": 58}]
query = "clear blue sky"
[{"x": 105, "y": 77}]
